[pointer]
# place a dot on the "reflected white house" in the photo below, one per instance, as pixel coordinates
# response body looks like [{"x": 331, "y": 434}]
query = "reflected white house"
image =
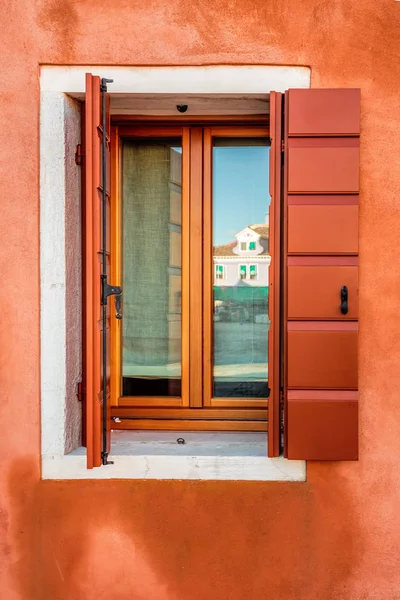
[
  {"x": 244, "y": 261},
  {"x": 241, "y": 313}
]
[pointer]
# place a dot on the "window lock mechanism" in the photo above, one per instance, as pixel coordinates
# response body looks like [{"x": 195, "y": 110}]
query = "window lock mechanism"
[{"x": 111, "y": 290}]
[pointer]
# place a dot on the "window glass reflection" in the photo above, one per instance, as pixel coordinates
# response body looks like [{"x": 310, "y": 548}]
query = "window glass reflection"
[{"x": 241, "y": 253}]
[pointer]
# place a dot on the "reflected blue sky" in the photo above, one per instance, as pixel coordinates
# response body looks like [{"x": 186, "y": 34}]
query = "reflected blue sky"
[{"x": 240, "y": 189}]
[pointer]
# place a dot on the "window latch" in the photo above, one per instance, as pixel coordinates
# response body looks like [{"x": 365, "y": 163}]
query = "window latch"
[
  {"x": 111, "y": 290},
  {"x": 118, "y": 306}
]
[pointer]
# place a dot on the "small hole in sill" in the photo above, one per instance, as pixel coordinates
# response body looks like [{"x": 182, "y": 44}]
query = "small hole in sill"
[{"x": 203, "y": 443}]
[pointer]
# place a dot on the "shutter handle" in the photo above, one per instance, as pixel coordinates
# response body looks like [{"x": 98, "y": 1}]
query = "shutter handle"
[
  {"x": 344, "y": 298},
  {"x": 118, "y": 305}
]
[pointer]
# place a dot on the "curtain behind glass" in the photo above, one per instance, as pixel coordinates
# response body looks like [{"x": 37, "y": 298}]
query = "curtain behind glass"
[{"x": 151, "y": 254}]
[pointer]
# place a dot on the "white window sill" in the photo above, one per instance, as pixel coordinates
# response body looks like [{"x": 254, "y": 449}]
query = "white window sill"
[{"x": 218, "y": 456}]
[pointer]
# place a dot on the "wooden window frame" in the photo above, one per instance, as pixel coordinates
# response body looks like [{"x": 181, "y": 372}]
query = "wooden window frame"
[
  {"x": 162, "y": 412},
  {"x": 118, "y": 135}
]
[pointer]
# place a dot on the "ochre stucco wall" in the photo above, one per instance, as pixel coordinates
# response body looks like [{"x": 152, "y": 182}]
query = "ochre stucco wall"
[{"x": 334, "y": 537}]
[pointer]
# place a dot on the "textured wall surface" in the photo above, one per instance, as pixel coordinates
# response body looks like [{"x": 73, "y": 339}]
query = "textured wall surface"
[{"x": 334, "y": 537}]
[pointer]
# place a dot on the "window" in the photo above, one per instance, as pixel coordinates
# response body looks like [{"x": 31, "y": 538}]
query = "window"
[
  {"x": 253, "y": 271},
  {"x": 243, "y": 246},
  {"x": 61, "y": 96},
  {"x": 252, "y": 245},
  {"x": 219, "y": 272},
  {"x": 197, "y": 368},
  {"x": 171, "y": 226}
]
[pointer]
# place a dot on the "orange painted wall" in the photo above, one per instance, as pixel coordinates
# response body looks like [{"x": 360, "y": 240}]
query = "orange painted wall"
[{"x": 336, "y": 536}]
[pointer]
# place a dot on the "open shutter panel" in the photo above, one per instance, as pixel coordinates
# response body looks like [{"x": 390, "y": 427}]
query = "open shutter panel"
[
  {"x": 321, "y": 186},
  {"x": 97, "y": 336}
]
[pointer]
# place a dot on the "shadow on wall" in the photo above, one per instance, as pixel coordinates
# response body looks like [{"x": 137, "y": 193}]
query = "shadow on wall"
[{"x": 181, "y": 540}]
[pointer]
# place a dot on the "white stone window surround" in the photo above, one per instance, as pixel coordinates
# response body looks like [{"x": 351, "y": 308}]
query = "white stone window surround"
[{"x": 60, "y": 275}]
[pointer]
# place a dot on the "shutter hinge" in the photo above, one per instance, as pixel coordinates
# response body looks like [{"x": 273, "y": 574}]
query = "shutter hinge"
[
  {"x": 80, "y": 392},
  {"x": 103, "y": 84},
  {"x": 283, "y": 146},
  {"x": 78, "y": 154},
  {"x": 281, "y": 409},
  {"x": 104, "y": 459},
  {"x": 282, "y": 419}
]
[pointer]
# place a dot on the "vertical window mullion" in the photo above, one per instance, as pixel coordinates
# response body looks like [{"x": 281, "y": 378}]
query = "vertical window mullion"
[
  {"x": 196, "y": 268},
  {"x": 207, "y": 268}
]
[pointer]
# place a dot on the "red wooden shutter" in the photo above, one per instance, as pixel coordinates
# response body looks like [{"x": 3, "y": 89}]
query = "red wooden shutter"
[
  {"x": 321, "y": 186},
  {"x": 274, "y": 274},
  {"x": 93, "y": 250}
]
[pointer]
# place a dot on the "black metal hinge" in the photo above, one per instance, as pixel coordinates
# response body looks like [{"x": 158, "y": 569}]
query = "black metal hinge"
[
  {"x": 104, "y": 82},
  {"x": 104, "y": 459},
  {"x": 281, "y": 409},
  {"x": 78, "y": 154},
  {"x": 80, "y": 392},
  {"x": 283, "y": 146},
  {"x": 282, "y": 420}
]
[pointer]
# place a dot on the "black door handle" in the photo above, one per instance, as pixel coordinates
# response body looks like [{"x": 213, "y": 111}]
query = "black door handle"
[{"x": 344, "y": 300}]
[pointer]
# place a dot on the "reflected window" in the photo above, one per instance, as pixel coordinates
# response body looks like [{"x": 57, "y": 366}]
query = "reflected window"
[
  {"x": 243, "y": 271},
  {"x": 219, "y": 271}
]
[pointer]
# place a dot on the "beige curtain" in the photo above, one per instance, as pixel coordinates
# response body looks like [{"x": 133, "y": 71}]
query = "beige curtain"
[{"x": 151, "y": 254}]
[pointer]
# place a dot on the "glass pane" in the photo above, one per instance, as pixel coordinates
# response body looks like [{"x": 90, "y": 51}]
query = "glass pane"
[
  {"x": 240, "y": 245},
  {"x": 151, "y": 267}
]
